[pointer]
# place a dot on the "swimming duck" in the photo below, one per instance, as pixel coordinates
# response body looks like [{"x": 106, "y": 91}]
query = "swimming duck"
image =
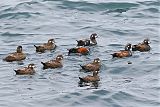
[
  {"x": 16, "y": 56},
  {"x": 94, "y": 66},
  {"x": 142, "y": 47},
  {"x": 26, "y": 70},
  {"x": 79, "y": 50},
  {"x": 55, "y": 63},
  {"x": 50, "y": 45},
  {"x": 90, "y": 78},
  {"x": 123, "y": 53},
  {"x": 88, "y": 42}
]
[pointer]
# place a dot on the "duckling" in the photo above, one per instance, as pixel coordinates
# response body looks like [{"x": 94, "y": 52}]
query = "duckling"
[
  {"x": 90, "y": 78},
  {"x": 16, "y": 56},
  {"x": 79, "y": 50},
  {"x": 56, "y": 63},
  {"x": 50, "y": 45},
  {"x": 94, "y": 66},
  {"x": 123, "y": 53},
  {"x": 142, "y": 47},
  {"x": 26, "y": 70},
  {"x": 87, "y": 42}
]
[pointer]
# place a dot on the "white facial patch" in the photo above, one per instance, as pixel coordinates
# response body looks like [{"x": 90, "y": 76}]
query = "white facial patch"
[{"x": 59, "y": 57}]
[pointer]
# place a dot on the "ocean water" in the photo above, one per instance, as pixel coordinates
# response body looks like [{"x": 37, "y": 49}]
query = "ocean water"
[{"x": 117, "y": 22}]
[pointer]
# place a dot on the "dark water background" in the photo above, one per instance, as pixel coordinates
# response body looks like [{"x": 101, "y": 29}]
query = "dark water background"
[{"x": 29, "y": 22}]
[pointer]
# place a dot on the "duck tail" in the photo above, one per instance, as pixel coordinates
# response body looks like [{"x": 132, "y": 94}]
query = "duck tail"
[
  {"x": 83, "y": 67},
  {"x": 35, "y": 46},
  {"x": 43, "y": 63},
  {"x": 16, "y": 71},
  {"x": 81, "y": 79},
  {"x": 114, "y": 55}
]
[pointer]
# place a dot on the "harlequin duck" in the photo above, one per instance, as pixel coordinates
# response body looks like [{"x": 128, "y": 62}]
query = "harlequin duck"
[
  {"x": 88, "y": 42},
  {"x": 123, "y": 53},
  {"x": 90, "y": 78},
  {"x": 142, "y": 47},
  {"x": 16, "y": 56},
  {"x": 46, "y": 46},
  {"x": 56, "y": 63},
  {"x": 79, "y": 50},
  {"x": 94, "y": 66},
  {"x": 26, "y": 70}
]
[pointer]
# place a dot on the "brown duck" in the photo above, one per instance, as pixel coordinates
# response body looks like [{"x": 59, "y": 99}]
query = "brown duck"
[
  {"x": 26, "y": 70},
  {"x": 16, "y": 56},
  {"x": 90, "y": 78},
  {"x": 50, "y": 45},
  {"x": 56, "y": 63},
  {"x": 123, "y": 53},
  {"x": 79, "y": 50},
  {"x": 142, "y": 47},
  {"x": 94, "y": 66},
  {"x": 88, "y": 42}
]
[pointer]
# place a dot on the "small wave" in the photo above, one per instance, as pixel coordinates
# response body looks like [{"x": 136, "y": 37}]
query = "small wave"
[
  {"x": 18, "y": 15},
  {"x": 153, "y": 10},
  {"x": 150, "y": 3},
  {"x": 86, "y": 6}
]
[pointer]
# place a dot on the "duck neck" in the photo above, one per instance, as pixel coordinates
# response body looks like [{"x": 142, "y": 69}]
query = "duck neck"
[{"x": 94, "y": 41}]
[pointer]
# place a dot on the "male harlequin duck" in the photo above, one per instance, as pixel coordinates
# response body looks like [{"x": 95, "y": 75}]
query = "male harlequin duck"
[
  {"x": 90, "y": 78},
  {"x": 46, "y": 46},
  {"x": 94, "y": 66},
  {"x": 123, "y": 53},
  {"x": 142, "y": 47},
  {"x": 16, "y": 56},
  {"x": 26, "y": 70},
  {"x": 56, "y": 63},
  {"x": 87, "y": 42},
  {"x": 79, "y": 50}
]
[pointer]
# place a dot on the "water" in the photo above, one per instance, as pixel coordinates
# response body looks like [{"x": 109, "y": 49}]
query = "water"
[{"x": 29, "y": 22}]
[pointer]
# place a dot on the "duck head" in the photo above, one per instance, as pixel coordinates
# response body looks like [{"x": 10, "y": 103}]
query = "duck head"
[
  {"x": 51, "y": 41},
  {"x": 95, "y": 73},
  {"x": 146, "y": 41},
  {"x": 19, "y": 49},
  {"x": 96, "y": 61},
  {"x": 93, "y": 37},
  {"x": 59, "y": 57},
  {"x": 31, "y": 66},
  {"x": 128, "y": 47}
]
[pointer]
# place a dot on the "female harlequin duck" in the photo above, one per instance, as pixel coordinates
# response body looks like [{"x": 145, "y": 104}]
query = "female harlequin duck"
[
  {"x": 56, "y": 63},
  {"x": 123, "y": 53},
  {"x": 142, "y": 47},
  {"x": 26, "y": 70},
  {"x": 94, "y": 66},
  {"x": 90, "y": 78},
  {"x": 16, "y": 56},
  {"x": 79, "y": 50},
  {"x": 87, "y": 42},
  {"x": 46, "y": 46}
]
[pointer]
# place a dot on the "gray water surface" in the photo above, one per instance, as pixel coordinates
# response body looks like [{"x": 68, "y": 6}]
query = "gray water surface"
[{"x": 117, "y": 22}]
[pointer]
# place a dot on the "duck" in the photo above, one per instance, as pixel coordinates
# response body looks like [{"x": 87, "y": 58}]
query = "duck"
[
  {"x": 79, "y": 50},
  {"x": 142, "y": 47},
  {"x": 55, "y": 63},
  {"x": 16, "y": 56},
  {"x": 90, "y": 78},
  {"x": 123, "y": 53},
  {"x": 88, "y": 42},
  {"x": 26, "y": 70},
  {"x": 93, "y": 66},
  {"x": 50, "y": 45}
]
